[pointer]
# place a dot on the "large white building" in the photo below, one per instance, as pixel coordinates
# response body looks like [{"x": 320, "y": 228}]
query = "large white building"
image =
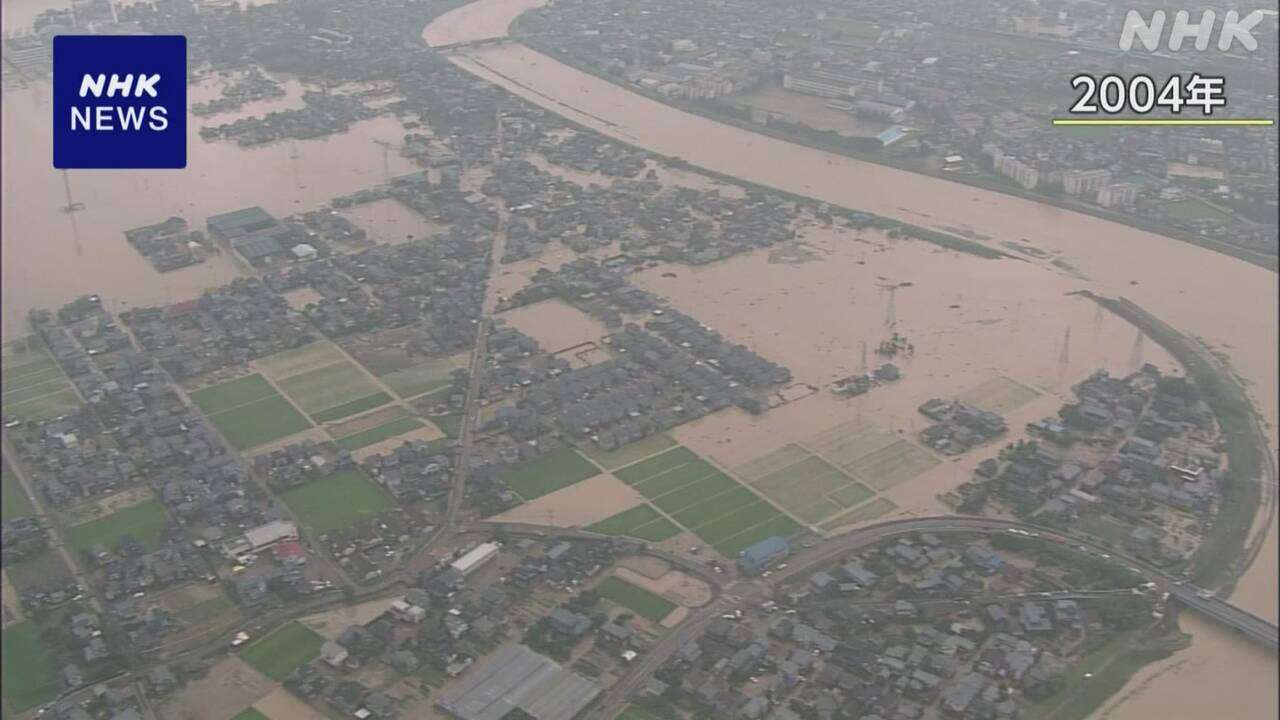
[
  {"x": 262, "y": 537},
  {"x": 473, "y": 559}
]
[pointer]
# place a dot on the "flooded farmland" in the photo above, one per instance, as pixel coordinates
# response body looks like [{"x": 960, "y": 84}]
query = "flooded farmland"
[
  {"x": 1189, "y": 287},
  {"x": 86, "y": 250}
]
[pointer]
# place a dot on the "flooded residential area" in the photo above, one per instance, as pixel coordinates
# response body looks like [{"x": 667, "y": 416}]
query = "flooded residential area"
[{"x": 566, "y": 360}]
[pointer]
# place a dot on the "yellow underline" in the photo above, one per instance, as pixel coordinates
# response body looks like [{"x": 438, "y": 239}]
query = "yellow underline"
[{"x": 1136, "y": 122}]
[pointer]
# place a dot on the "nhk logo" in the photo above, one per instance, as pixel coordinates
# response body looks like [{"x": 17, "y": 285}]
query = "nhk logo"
[
  {"x": 1234, "y": 28},
  {"x": 119, "y": 101}
]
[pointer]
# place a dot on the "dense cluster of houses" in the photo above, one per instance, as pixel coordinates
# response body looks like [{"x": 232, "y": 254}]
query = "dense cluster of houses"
[
  {"x": 646, "y": 217},
  {"x": 168, "y": 245},
  {"x": 322, "y": 114},
  {"x": 112, "y": 702},
  {"x": 251, "y": 86},
  {"x": 228, "y": 325},
  {"x": 134, "y": 436},
  {"x": 881, "y": 634},
  {"x": 1161, "y": 461},
  {"x": 451, "y": 615},
  {"x": 908, "y": 75},
  {"x": 958, "y": 427}
]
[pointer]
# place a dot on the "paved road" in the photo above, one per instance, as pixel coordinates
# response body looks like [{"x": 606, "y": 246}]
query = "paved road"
[
  {"x": 807, "y": 561},
  {"x": 57, "y": 531}
]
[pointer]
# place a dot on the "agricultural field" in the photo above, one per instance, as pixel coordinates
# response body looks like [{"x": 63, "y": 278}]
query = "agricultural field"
[
  {"x": 806, "y": 485},
  {"x": 1106, "y": 529},
  {"x": 1000, "y": 395},
  {"x": 892, "y": 465},
  {"x": 425, "y": 376},
  {"x": 450, "y": 424},
  {"x": 249, "y": 412},
  {"x": 646, "y": 604},
  {"x": 323, "y": 382},
  {"x": 548, "y": 473},
  {"x": 715, "y": 507},
  {"x": 865, "y": 513},
  {"x": 635, "y": 712},
  {"x": 855, "y": 29},
  {"x": 34, "y": 387},
  {"x": 14, "y": 502},
  {"x": 335, "y": 501},
  {"x": 43, "y": 570},
  {"x": 873, "y": 456},
  {"x": 283, "y": 651},
  {"x": 382, "y": 432},
  {"x": 144, "y": 522},
  {"x": 379, "y": 426},
  {"x": 334, "y": 391},
  {"x": 641, "y": 522},
  {"x": 628, "y": 454},
  {"x": 29, "y": 671},
  {"x": 1195, "y": 209}
]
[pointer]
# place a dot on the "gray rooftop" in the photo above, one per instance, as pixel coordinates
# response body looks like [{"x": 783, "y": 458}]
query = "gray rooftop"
[{"x": 514, "y": 677}]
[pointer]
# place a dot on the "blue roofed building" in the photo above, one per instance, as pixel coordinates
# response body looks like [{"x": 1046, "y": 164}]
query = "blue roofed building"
[
  {"x": 892, "y": 135},
  {"x": 758, "y": 557}
]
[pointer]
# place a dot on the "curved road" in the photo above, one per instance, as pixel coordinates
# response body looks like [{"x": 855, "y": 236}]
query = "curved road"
[{"x": 799, "y": 565}]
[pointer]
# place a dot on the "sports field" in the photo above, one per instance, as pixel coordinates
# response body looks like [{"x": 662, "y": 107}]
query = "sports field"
[
  {"x": 335, "y": 501},
  {"x": 715, "y": 507},
  {"x": 641, "y": 522},
  {"x": 806, "y": 485},
  {"x": 33, "y": 386},
  {"x": 547, "y": 473},
  {"x": 283, "y": 651},
  {"x": 144, "y": 522},
  {"x": 28, "y": 668},
  {"x": 635, "y": 598},
  {"x": 250, "y": 714},
  {"x": 249, "y": 412}
]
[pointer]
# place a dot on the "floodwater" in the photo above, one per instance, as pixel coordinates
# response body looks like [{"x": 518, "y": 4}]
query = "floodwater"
[
  {"x": 20, "y": 14},
  {"x": 971, "y": 322},
  {"x": 1225, "y": 302},
  {"x": 50, "y": 257},
  {"x": 476, "y": 21}
]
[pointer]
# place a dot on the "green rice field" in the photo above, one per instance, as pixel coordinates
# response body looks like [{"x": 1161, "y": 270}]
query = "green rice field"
[
  {"x": 145, "y": 522},
  {"x": 249, "y": 412},
  {"x": 646, "y": 604},
  {"x": 336, "y": 501},
  {"x": 715, "y": 507},
  {"x": 548, "y": 473},
  {"x": 28, "y": 668},
  {"x": 641, "y": 522},
  {"x": 380, "y": 433},
  {"x": 283, "y": 651},
  {"x": 33, "y": 387}
]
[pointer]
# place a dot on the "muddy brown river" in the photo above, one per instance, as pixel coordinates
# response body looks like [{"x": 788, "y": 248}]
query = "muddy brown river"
[
  {"x": 49, "y": 256},
  {"x": 1227, "y": 303}
]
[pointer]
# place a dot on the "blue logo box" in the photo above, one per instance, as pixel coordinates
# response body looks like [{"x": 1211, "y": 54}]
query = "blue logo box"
[{"x": 119, "y": 101}]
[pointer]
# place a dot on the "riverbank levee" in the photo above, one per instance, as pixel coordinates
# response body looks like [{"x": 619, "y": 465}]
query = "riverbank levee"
[{"x": 1224, "y": 303}]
